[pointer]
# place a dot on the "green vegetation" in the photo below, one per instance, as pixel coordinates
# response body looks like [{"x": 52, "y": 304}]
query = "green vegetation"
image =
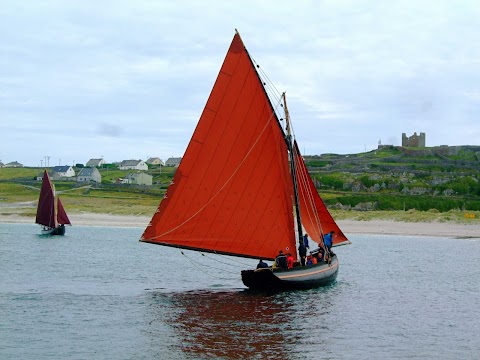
[
  {"x": 441, "y": 184},
  {"x": 393, "y": 178},
  {"x": 456, "y": 216},
  {"x": 19, "y": 174}
]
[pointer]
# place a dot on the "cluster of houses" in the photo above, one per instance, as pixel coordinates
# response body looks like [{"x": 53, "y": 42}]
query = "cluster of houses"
[
  {"x": 67, "y": 172},
  {"x": 90, "y": 173},
  {"x": 11, "y": 164},
  {"x": 124, "y": 165}
]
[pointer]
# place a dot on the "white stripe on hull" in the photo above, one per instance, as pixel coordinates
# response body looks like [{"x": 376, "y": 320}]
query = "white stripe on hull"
[{"x": 309, "y": 273}]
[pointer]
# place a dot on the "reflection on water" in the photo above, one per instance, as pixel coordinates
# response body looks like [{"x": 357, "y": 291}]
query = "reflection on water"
[
  {"x": 240, "y": 324},
  {"x": 226, "y": 324}
]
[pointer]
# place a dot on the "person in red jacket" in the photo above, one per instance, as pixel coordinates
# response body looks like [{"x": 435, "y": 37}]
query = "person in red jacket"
[{"x": 290, "y": 261}]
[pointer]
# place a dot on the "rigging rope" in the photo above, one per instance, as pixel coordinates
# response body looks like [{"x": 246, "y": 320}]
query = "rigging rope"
[
  {"x": 273, "y": 94},
  {"x": 205, "y": 272},
  {"x": 309, "y": 198},
  {"x": 224, "y": 185},
  {"x": 223, "y": 262}
]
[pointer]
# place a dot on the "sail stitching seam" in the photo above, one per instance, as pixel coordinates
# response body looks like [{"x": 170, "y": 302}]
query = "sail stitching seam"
[{"x": 226, "y": 182}]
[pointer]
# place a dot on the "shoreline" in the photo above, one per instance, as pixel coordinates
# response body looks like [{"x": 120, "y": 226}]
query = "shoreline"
[{"x": 385, "y": 227}]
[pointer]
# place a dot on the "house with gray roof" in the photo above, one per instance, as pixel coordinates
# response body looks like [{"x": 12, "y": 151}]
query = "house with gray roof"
[
  {"x": 155, "y": 161},
  {"x": 95, "y": 162},
  {"x": 65, "y": 172},
  {"x": 89, "y": 174},
  {"x": 133, "y": 165},
  {"x": 173, "y": 161},
  {"x": 13, "y": 164}
]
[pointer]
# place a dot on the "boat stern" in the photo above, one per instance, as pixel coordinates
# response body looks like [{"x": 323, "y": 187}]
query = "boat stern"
[{"x": 260, "y": 279}]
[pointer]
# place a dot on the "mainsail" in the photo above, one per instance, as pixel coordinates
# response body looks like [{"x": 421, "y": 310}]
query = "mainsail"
[
  {"x": 232, "y": 192},
  {"x": 50, "y": 211}
]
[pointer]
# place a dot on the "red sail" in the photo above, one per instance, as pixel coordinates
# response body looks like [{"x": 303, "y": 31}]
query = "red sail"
[
  {"x": 46, "y": 207},
  {"x": 46, "y": 214},
  {"x": 232, "y": 193},
  {"x": 62, "y": 217},
  {"x": 316, "y": 219}
]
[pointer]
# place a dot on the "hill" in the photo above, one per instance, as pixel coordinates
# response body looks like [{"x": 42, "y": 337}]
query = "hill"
[
  {"x": 396, "y": 178},
  {"x": 438, "y": 182}
]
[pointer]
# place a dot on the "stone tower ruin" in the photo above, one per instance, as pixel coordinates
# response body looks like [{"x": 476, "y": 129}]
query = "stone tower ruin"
[{"x": 414, "y": 140}]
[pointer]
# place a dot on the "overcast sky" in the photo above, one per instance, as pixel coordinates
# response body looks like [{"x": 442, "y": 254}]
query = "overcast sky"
[{"x": 129, "y": 79}]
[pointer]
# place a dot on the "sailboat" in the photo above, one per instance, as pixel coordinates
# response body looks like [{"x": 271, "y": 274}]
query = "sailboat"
[
  {"x": 50, "y": 212},
  {"x": 242, "y": 188}
]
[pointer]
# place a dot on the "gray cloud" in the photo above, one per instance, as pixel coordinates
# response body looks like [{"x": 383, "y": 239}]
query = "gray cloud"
[{"x": 131, "y": 80}]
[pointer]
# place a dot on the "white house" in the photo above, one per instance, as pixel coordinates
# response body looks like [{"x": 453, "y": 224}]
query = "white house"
[
  {"x": 133, "y": 165},
  {"x": 89, "y": 174},
  {"x": 13, "y": 164},
  {"x": 59, "y": 172},
  {"x": 139, "y": 178},
  {"x": 95, "y": 162}
]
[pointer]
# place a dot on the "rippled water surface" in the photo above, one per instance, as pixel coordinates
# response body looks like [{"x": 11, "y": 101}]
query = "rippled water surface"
[{"x": 97, "y": 293}]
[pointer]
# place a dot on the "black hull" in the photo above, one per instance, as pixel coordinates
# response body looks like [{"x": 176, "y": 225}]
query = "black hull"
[
  {"x": 54, "y": 231},
  {"x": 306, "y": 277}
]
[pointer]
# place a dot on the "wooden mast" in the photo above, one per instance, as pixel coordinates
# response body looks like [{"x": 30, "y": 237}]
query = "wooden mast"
[{"x": 292, "y": 167}]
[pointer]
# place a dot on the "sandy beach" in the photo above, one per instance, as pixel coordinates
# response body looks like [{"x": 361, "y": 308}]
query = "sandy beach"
[{"x": 446, "y": 229}]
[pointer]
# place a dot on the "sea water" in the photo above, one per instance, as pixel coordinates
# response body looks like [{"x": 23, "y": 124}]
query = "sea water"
[{"x": 97, "y": 293}]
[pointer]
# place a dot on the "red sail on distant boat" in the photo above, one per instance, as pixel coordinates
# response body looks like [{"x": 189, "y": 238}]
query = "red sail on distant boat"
[
  {"x": 50, "y": 211},
  {"x": 233, "y": 192}
]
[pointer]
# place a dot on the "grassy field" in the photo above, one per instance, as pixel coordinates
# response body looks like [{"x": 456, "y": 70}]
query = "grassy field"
[
  {"x": 22, "y": 200},
  {"x": 19, "y": 195}
]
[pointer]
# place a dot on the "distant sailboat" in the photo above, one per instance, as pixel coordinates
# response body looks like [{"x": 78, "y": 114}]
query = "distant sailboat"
[
  {"x": 50, "y": 212},
  {"x": 242, "y": 187}
]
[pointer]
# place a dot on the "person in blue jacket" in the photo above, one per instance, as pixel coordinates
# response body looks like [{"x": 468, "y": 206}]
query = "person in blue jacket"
[{"x": 328, "y": 242}]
